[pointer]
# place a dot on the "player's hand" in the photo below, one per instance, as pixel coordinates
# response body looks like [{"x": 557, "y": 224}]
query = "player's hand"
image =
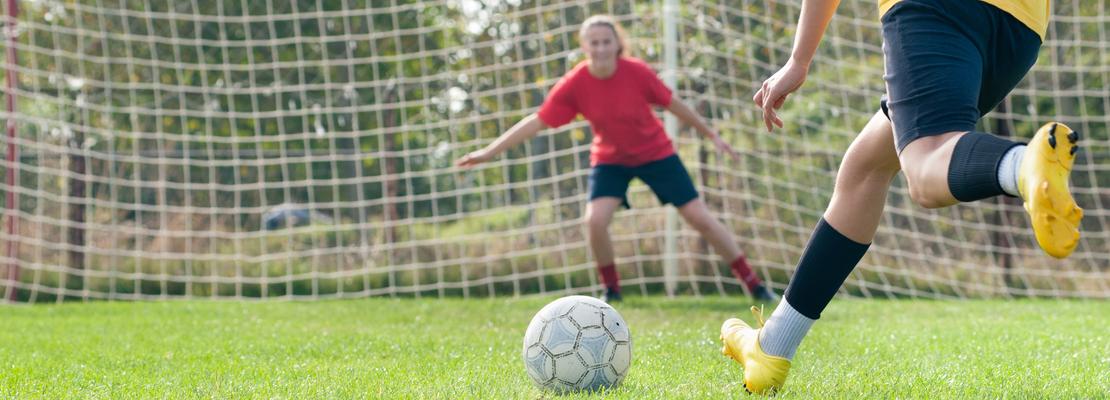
[
  {"x": 775, "y": 89},
  {"x": 473, "y": 158},
  {"x": 724, "y": 147}
]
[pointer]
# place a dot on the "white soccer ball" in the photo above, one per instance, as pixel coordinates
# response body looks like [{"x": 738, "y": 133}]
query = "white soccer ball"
[{"x": 577, "y": 343}]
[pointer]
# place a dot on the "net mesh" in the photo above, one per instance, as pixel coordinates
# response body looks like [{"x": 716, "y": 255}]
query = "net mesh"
[{"x": 266, "y": 149}]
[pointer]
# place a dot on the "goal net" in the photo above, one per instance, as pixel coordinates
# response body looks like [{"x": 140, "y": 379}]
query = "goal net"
[{"x": 271, "y": 149}]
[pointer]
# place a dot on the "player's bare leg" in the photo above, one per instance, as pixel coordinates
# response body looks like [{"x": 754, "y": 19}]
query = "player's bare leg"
[
  {"x": 698, "y": 216},
  {"x": 837, "y": 244},
  {"x": 599, "y": 214}
]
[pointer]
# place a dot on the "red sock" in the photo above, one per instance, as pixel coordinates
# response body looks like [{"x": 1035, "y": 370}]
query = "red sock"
[
  {"x": 742, "y": 271},
  {"x": 609, "y": 276}
]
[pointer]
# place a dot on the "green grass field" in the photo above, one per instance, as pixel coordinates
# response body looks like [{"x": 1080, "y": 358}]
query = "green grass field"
[{"x": 386, "y": 348}]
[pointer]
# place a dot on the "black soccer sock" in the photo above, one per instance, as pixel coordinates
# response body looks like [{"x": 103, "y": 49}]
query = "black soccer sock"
[
  {"x": 826, "y": 262},
  {"x": 973, "y": 170}
]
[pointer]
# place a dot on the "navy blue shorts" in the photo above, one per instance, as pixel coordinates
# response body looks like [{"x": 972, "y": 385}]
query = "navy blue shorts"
[
  {"x": 667, "y": 178},
  {"x": 948, "y": 63}
]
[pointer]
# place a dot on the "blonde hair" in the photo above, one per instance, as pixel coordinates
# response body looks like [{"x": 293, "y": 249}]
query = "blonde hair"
[{"x": 607, "y": 21}]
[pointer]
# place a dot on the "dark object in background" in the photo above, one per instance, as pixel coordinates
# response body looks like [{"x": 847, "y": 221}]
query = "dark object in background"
[{"x": 292, "y": 215}]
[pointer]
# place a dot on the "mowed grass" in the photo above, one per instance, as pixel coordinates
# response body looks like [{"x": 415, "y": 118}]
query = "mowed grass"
[{"x": 408, "y": 348}]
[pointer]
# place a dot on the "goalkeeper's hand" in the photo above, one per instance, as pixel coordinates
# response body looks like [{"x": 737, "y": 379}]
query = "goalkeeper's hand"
[{"x": 474, "y": 158}]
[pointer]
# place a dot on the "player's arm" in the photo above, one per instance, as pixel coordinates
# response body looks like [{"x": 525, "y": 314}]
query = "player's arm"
[
  {"x": 812, "y": 23},
  {"x": 523, "y": 130},
  {"x": 689, "y": 117}
]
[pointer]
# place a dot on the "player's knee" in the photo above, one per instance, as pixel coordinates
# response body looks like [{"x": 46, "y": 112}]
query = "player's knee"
[
  {"x": 597, "y": 222},
  {"x": 862, "y": 173},
  {"x": 865, "y": 160},
  {"x": 851, "y": 173}
]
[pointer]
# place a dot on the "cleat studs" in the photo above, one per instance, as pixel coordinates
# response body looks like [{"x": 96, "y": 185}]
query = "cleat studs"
[
  {"x": 1052, "y": 140},
  {"x": 1073, "y": 137}
]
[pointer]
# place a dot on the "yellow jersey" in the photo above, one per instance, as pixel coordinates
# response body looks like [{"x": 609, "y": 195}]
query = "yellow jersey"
[{"x": 1032, "y": 13}]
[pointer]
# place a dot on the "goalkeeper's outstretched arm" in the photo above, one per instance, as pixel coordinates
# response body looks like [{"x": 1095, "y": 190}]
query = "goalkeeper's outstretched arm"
[
  {"x": 689, "y": 117},
  {"x": 523, "y": 130}
]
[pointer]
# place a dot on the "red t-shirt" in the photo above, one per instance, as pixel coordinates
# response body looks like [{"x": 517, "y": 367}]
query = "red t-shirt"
[{"x": 619, "y": 108}]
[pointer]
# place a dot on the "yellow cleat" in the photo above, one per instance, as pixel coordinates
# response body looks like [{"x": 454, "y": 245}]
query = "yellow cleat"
[
  {"x": 763, "y": 373},
  {"x": 1043, "y": 184}
]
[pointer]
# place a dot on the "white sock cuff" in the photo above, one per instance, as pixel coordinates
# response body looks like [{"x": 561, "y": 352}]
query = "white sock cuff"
[
  {"x": 785, "y": 310},
  {"x": 1008, "y": 170},
  {"x": 784, "y": 331}
]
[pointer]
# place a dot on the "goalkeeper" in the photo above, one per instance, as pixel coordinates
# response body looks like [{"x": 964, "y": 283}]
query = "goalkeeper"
[
  {"x": 948, "y": 63},
  {"x": 616, "y": 93}
]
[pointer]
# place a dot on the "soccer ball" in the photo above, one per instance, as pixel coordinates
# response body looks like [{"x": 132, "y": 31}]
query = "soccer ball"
[{"x": 577, "y": 343}]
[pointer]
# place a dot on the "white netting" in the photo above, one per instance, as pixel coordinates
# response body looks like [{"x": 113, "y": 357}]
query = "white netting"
[{"x": 174, "y": 148}]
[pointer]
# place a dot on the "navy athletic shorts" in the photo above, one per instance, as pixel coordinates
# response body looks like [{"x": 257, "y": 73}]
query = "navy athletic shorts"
[
  {"x": 666, "y": 177},
  {"x": 948, "y": 63}
]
